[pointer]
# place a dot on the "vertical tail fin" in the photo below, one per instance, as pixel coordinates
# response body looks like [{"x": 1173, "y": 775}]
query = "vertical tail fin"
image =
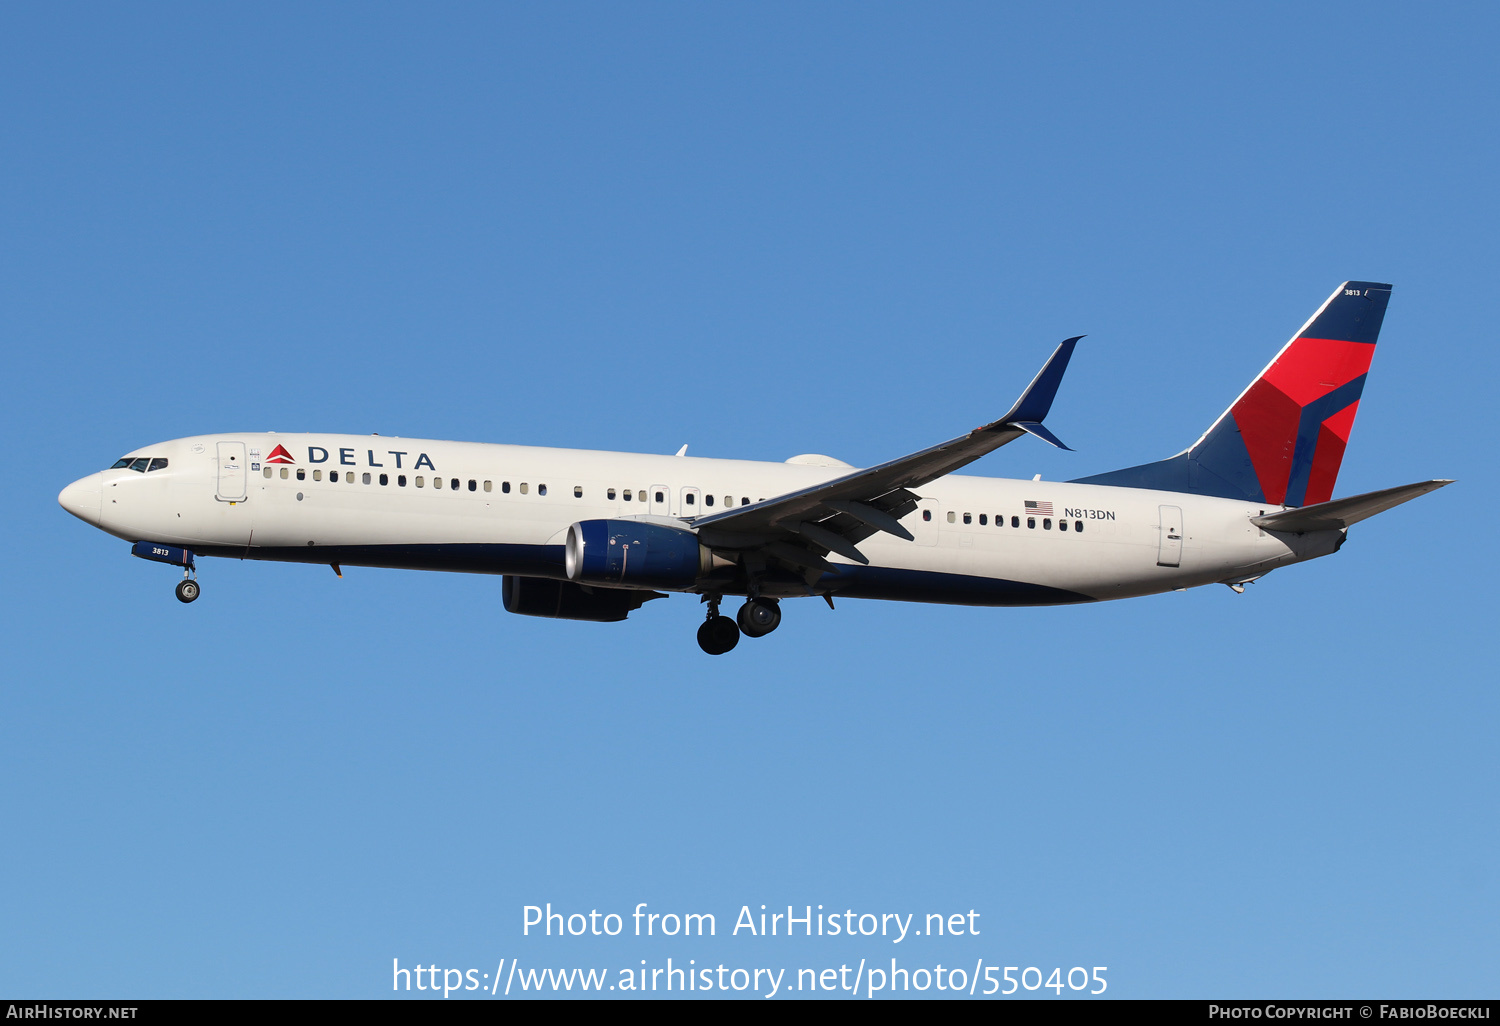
[{"x": 1283, "y": 439}]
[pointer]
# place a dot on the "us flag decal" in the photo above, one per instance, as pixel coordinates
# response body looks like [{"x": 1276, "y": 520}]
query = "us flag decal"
[{"x": 1043, "y": 508}]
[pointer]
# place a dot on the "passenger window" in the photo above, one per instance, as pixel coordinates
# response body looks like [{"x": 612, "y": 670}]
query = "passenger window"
[
  {"x": 641, "y": 495},
  {"x": 437, "y": 482},
  {"x": 473, "y": 485},
  {"x": 525, "y": 488},
  {"x": 159, "y": 463},
  {"x": 927, "y": 515},
  {"x": 285, "y": 473},
  {"x": 1078, "y": 527},
  {"x": 688, "y": 499},
  {"x": 489, "y": 486},
  {"x": 139, "y": 466},
  {"x": 301, "y": 474},
  {"x": 454, "y": 484},
  {"x": 420, "y": 480},
  {"x": 1062, "y": 525},
  {"x": 317, "y": 475},
  {"x": 1031, "y": 522},
  {"x": 744, "y": 500},
  {"x": 968, "y": 518},
  {"x": 385, "y": 479},
  {"x": 729, "y": 500},
  {"x": 952, "y": 517},
  {"x": 610, "y": 495},
  {"x": 366, "y": 477},
  {"x": 266, "y": 473},
  {"x": 1047, "y": 524},
  {"x": 349, "y": 478},
  {"x": 629, "y": 495},
  {"x": 400, "y": 480},
  {"x": 660, "y": 497},
  {"x": 541, "y": 489},
  {"x": 708, "y": 500},
  {"x": 1015, "y": 521},
  {"x": 983, "y": 520},
  {"x": 505, "y": 487}
]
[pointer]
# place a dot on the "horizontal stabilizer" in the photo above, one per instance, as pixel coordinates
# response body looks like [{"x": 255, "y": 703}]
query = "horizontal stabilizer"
[{"x": 1340, "y": 513}]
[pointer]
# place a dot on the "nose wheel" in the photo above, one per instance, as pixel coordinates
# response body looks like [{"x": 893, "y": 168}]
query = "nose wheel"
[{"x": 187, "y": 589}]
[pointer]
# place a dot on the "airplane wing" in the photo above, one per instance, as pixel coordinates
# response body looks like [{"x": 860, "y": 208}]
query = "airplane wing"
[{"x": 800, "y": 527}]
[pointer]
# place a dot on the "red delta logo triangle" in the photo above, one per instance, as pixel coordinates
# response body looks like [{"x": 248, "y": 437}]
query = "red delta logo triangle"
[{"x": 280, "y": 455}]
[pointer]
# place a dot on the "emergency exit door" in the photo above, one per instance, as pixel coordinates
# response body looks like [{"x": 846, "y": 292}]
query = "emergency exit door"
[
  {"x": 233, "y": 472},
  {"x": 1170, "y": 552},
  {"x": 924, "y": 524}
]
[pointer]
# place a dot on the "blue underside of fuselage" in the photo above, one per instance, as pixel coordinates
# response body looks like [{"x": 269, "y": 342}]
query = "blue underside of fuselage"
[{"x": 872, "y": 582}]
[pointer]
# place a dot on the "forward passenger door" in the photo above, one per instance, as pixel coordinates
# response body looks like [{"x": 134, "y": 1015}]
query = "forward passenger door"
[{"x": 233, "y": 472}]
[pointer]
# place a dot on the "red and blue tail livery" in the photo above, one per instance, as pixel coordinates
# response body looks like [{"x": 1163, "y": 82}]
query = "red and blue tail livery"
[{"x": 1282, "y": 441}]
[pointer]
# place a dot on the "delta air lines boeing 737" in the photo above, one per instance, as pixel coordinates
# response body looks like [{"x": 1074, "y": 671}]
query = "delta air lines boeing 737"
[{"x": 588, "y": 535}]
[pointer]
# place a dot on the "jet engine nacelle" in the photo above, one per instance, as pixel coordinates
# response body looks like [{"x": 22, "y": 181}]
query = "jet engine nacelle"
[
  {"x": 635, "y": 552},
  {"x": 564, "y": 600}
]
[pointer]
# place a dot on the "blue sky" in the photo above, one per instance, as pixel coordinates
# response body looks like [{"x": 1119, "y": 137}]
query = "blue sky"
[{"x": 761, "y": 230}]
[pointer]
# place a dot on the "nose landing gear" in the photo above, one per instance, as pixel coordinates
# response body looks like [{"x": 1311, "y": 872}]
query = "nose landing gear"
[{"x": 187, "y": 588}]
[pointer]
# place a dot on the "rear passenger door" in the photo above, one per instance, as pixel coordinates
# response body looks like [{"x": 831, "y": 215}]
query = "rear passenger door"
[{"x": 1169, "y": 553}]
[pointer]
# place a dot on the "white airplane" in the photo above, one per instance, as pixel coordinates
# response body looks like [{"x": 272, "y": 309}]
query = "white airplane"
[{"x": 589, "y": 535}]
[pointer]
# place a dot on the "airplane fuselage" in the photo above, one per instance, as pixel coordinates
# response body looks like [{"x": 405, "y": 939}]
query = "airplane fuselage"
[
  {"x": 371, "y": 500},
  {"x": 587, "y": 535}
]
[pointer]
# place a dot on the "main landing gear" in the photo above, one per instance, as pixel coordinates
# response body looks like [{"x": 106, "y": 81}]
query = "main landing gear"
[
  {"x": 757, "y": 618},
  {"x": 718, "y": 635}
]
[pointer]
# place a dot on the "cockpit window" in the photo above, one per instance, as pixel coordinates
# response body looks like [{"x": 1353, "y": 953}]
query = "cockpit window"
[
  {"x": 139, "y": 466},
  {"x": 123, "y": 461},
  {"x": 159, "y": 463}
]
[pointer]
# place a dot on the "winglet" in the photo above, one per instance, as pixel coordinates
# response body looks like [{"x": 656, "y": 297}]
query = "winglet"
[
  {"x": 1036, "y": 402},
  {"x": 1033, "y": 428}
]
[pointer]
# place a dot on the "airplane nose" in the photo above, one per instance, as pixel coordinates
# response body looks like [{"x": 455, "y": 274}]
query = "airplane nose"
[{"x": 82, "y": 498}]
